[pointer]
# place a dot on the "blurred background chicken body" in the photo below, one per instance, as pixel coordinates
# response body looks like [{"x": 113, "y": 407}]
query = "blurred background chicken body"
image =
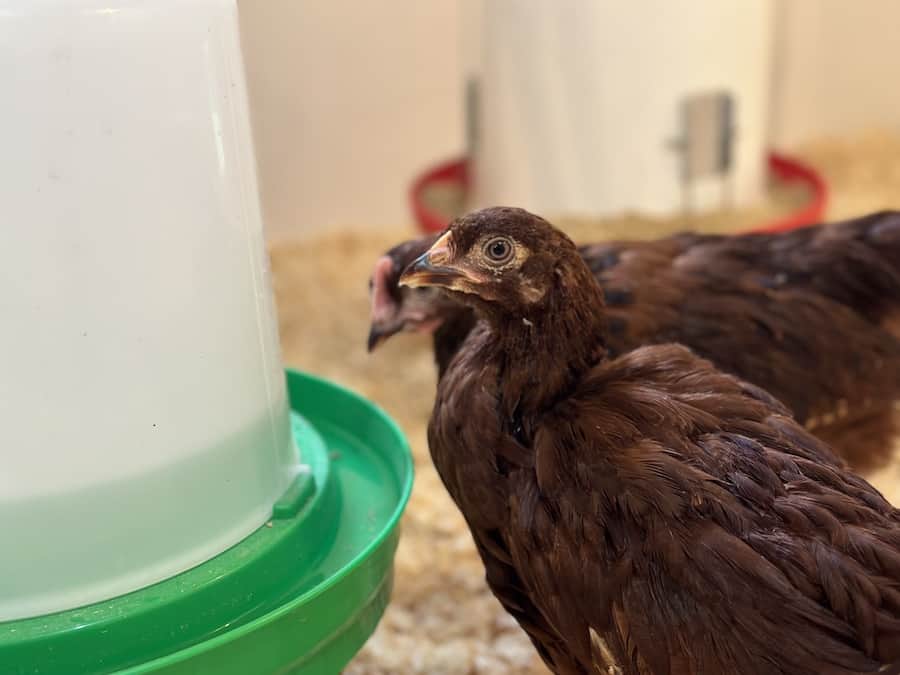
[
  {"x": 645, "y": 513},
  {"x": 809, "y": 315}
]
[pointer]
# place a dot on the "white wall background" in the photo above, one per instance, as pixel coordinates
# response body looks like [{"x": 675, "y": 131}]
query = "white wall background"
[
  {"x": 837, "y": 68},
  {"x": 351, "y": 99},
  {"x": 581, "y": 101}
]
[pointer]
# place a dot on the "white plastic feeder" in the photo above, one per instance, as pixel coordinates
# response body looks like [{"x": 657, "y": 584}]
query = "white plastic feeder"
[
  {"x": 582, "y": 107},
  {"x": 143, "y": 417}
]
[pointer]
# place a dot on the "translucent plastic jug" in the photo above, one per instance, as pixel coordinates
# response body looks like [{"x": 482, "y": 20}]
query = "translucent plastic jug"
[{"x": 143, "y": 418}]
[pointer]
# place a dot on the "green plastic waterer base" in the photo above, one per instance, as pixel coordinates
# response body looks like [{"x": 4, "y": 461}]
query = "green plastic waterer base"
[{"x": 299, "y": 595}]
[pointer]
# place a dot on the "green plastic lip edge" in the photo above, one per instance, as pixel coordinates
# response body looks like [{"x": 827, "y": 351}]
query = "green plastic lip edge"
[{"x": 349, "y": 600}]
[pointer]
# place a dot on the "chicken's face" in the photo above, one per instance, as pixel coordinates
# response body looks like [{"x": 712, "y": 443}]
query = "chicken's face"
[
  {"x": 395, "y": 309},
  {"x": 501, "y": 259}
]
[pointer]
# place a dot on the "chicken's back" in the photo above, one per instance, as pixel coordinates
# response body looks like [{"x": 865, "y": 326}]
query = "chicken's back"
[{"x": 854, "y": 262}]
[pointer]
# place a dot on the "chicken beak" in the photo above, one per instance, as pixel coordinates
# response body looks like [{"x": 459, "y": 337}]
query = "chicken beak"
[
  {"x": 432, "y": 268},
  {"x": 378, "y": 334}
]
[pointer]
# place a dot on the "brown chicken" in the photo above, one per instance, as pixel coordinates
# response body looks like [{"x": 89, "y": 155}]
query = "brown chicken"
[
  {"x": 645, "y": 514},
  {"x": 811, "y": 316}
]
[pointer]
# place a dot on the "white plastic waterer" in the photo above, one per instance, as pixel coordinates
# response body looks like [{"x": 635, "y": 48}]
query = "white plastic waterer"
[{"x": 143, "y": 417}]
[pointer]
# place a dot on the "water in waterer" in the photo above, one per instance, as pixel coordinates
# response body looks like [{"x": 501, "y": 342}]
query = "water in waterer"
[{"x": 146, "y": 432}]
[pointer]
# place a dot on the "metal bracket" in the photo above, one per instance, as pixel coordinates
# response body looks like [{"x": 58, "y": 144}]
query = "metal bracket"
[{"x": 706, "y": 143}]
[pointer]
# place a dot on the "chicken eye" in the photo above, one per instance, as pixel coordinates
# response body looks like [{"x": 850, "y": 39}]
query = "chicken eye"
[{"x": 498, "y": 250}]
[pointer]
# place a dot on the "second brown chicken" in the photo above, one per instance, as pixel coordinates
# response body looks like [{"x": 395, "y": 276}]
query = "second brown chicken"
[{"x": 812, "y": 316}]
